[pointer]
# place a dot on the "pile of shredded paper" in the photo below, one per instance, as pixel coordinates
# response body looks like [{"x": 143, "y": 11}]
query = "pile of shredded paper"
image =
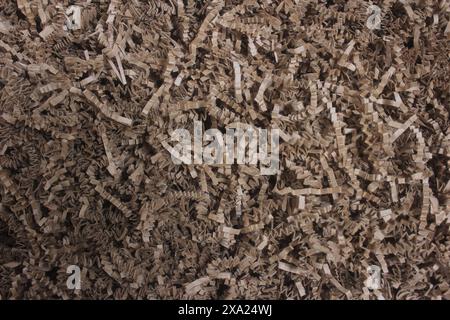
[{"x": 94, "y": 205}]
